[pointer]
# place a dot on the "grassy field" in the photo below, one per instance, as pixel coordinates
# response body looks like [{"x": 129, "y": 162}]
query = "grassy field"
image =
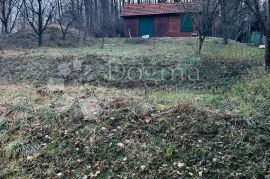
[{"x": 137, "y": 108}]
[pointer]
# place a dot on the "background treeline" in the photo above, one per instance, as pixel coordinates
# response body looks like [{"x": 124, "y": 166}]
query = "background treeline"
[
  {"x": 92, "y": 17},
  {"x": 99, "y": 18}
]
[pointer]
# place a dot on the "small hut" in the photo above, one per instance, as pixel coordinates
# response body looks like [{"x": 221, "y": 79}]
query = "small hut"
[
  {"x": 250, "y": 32},
  {"x": 160, "y": 20}
]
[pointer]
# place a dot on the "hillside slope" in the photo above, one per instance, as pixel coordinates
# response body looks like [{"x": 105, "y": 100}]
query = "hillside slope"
[
  {"x": 27, "y": 39},
  {"x": 137, "y": 108}
]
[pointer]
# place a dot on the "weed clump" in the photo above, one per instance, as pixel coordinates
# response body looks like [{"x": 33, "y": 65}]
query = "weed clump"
[
  {"x": 3, "y": 125},
  {"x": 136, "y": 41}
]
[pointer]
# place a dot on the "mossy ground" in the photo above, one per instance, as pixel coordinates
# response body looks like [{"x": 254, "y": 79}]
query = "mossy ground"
[{"x": 216, "y": 126}]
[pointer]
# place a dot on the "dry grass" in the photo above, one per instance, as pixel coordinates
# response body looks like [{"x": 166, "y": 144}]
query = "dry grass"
[{"x": 217, "y": 127}]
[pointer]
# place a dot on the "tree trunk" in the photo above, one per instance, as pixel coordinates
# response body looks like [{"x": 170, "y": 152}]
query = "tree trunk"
[
  {"x": 201, "y": 41},
  {"x": 5, "y": 24},
  {"x": 225, "y": 34},
  {"x": 40, "y": 39},
  {"x": 200, "y": 47},
  {"x": 40, "y": 23},
  {"x": 64, "y": 36},
  {"x": 88, "y": 20},
  {"x": 224, "y": 19},
  {"x": 103, "y": 42},
  {"x": 267, "y": 52}
]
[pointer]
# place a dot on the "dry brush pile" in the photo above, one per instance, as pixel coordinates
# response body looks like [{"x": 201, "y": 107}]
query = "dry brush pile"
[{"x": 126, "y": 140}]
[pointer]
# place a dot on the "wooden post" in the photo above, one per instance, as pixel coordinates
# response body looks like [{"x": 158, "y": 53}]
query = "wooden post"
[
  {"x": 129, "y": 33},
  {"x": 267, "y": 52}
]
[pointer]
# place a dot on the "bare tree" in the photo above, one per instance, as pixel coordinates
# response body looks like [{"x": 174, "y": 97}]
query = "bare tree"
[
  {"x": 206, "y": 20},
  {"x": 9, "y": 13},
  {"x": 88, "y": 5},
  {"x": 230, "y": 11},
  {"x": 207, "y": 11},
  {"x": 65, "y": 16},
  {"x": 261, "y": 11},
  {"x": 38, "y": 13},
  {"x": 78, "y": 11},
  {"x": 105, "y": 18}
]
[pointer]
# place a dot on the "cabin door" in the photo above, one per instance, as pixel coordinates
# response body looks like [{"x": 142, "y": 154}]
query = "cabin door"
[{"x": 146, "y": 26}]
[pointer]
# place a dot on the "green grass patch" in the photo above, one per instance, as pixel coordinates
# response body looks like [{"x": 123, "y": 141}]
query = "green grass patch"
[{"x": 253, "y": 95}]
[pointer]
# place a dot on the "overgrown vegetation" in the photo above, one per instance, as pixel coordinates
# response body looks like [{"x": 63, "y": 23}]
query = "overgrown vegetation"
[{"x": 216, "y": 126}]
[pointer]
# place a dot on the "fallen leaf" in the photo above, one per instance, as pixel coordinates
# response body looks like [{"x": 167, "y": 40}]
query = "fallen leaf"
[{"x": 120, "y": 145}]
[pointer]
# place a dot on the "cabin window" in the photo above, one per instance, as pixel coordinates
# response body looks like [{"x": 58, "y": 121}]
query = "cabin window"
[{"x": 186, "y": 24}]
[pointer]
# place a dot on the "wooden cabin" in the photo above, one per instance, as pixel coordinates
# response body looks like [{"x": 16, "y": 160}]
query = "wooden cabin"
[{"x": 160, "y": 20}]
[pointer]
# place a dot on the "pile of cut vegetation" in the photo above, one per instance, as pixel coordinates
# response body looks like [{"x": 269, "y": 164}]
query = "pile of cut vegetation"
[
  {"x": 127, "y": 140},
  {"x": 52, "y": 37}
]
